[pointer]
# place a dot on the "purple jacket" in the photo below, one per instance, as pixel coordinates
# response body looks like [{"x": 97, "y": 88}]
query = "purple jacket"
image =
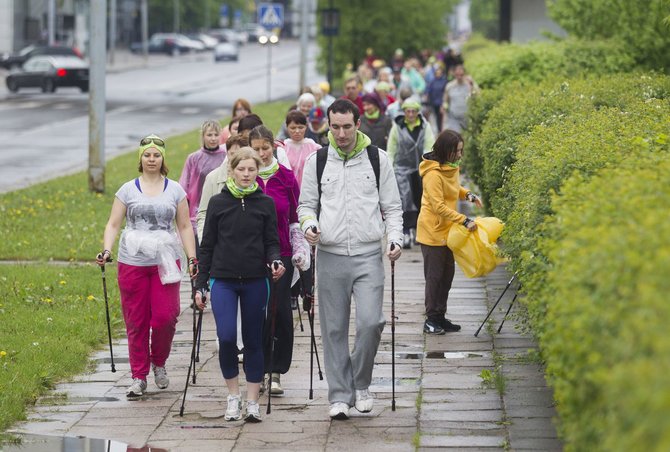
[{"x": 283, "y": 188}]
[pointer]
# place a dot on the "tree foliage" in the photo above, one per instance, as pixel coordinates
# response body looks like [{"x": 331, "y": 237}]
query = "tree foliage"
[
  {"x": 485, "y": 18},
  {"x": 194, "y": 15},
  {"x": 641, "y": 25},
  {"x": 383, "y": 26}
]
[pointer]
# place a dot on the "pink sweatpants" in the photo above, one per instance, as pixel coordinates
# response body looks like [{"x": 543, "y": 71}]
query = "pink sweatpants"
[{"x": 150, "y": 310}]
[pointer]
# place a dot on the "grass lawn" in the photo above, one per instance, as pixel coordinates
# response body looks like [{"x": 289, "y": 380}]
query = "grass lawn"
[{"x": 53, "y": 316}]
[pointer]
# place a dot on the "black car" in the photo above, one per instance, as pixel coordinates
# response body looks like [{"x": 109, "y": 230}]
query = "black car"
[
  {"x": 49, "y": 73},
  {"x": 169, "y": 43},
  {"x": 9, "y": 61}
]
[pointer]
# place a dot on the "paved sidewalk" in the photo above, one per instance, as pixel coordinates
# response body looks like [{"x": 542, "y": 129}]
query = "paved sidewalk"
[{"x": 441, "y": 400}]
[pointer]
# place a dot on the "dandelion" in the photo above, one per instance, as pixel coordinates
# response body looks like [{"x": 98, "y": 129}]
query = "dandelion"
[
  {"x": 90, "y": 298},
  {"x": 3, "y": 353},
  {"x": 62, "y": 282},
  {"x": 47, "y": 300},
  {"x": 35, "y": 344}
]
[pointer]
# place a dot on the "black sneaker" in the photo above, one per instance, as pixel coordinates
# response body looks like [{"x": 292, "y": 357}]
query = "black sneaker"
[
  {"x": 433, "y": 327},
  {"x": 449, "y": 327}
]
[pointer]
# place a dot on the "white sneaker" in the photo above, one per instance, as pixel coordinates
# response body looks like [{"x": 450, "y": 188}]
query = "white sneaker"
[
  {"x": 253, "y": 412},
  {"x": 364, "y": 400},
  {"x": 136, "y": 390},
  {"x": 339, "y": 411},
  {"x": 234, "y": 410},
  {"x": 160, "y": 377},
  {"x": 275, "y": 385}
]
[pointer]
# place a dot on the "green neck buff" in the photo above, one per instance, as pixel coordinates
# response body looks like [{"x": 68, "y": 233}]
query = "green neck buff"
[
  {"x": 269, "y": 171},
  {"x": 414, "y": 124},
  {"x": 362, "y": 141},
  {"x": 240, "y": 192},
  {"x": 374, "y": 115},
  {"x": 455, "y": 164}
]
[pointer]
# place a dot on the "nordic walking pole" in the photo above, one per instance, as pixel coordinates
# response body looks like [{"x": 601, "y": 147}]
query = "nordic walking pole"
[
  {"x": 495, "y": 304},
  {"x": 316, "y": 351},
  {"x": 308, "y": 306},
  {"x": 192, "y": 361},
  {"x": 302, "y": 328},
  {"x": 109, "y": 328},
  {"x": 273, "y": 323},
  {"x": 195, "y": 325},
  {"x": 392, "y": 331},
  {"x": 509, "y": 308}
]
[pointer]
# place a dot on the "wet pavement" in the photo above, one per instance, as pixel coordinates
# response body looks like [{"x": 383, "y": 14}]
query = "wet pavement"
[{"x": 452, "y": 392}]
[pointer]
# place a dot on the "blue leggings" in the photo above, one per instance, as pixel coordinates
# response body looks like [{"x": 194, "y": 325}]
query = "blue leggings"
[{"x": 253, "y": 296}]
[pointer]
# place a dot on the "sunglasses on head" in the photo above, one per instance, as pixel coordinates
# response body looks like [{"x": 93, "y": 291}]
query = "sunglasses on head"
[{"x": 149, "y": 140}]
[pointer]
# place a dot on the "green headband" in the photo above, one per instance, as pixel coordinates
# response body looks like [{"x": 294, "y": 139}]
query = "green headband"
[{"x": 152, "y": 142}]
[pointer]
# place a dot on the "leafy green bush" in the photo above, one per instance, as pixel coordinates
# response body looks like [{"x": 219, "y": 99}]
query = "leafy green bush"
[
  {"x": 552, "y": 101},
  {"x": 603, "y": 307},
  {"x": 582, "y": 143}
]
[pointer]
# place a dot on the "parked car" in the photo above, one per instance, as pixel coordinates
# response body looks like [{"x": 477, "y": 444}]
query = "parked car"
[
  {"x": 49, "y": 73},
  {"x": 226, "y": 51},
  {"x": 254, "y": 31},
  {"x": 8, "y": 61},
  {"x": 209, "y": 41},
  {"x": 229, "y": 35},
  {"x": 169, "y": 43}
]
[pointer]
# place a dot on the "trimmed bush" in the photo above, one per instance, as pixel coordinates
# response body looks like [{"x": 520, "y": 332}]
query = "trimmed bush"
[{"x": 604, "y": 306}]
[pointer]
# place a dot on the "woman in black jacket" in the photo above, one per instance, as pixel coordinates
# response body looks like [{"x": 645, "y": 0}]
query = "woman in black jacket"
[{"x": 239, "y": 242}]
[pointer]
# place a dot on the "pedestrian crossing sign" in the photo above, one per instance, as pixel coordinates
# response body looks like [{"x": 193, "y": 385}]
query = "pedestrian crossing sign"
[{"x": 271, "y": 15}]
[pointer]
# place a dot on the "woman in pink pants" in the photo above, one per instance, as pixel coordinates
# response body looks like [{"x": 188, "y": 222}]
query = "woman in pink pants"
[{"x": 149, "y": 268}]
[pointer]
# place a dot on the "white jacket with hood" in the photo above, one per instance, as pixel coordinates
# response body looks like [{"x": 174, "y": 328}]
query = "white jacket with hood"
[{"x": 353, "y": 215}]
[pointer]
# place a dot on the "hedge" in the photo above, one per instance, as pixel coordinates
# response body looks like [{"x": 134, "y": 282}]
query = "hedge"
[
  {"x": 552, "y": 101},
  {"x": 604, "y": 306}
]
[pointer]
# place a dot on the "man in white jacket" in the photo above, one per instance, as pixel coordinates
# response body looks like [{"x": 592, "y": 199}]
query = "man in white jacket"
[{"x": 347, "y": 219}]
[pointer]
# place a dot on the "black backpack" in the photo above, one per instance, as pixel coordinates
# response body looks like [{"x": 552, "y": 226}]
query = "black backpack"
[{"x": 322, "y": 158}]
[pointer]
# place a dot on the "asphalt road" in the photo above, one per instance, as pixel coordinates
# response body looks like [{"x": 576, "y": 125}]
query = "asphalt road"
[{"x": 46, "y": 135}]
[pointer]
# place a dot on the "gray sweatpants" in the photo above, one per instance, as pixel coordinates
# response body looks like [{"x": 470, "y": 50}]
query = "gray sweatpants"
[{"x": 340, "y": 277}]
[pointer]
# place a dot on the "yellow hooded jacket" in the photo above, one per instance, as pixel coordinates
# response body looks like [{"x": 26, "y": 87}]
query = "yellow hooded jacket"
[{"x": 441, "y": 192}]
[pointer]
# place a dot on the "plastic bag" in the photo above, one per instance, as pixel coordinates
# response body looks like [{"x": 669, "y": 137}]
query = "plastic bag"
[
  {"x": 476, "y": 253},
  {"x": 161, "y": 245}
]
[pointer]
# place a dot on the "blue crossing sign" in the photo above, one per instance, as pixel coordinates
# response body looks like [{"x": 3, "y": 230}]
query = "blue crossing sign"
[{"x": 271, "y": 15}]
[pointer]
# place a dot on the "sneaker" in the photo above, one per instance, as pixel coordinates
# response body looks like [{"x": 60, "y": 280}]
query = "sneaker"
[
  {"x": 253, "y": 412},
  {"x": 364, "y": 400},
  {"x": 339, "y": 411},
  {"x": 240, "y": 355},
  {"x": 160, "y": 377},
  {"x": 234, "y": 410},
  {"x": 449, "y": 327},
  {"x": 136, "y": 390},
  {"x": 294, "y": 303},
  {"x": 433, "y": 327},
  {"x": 275, "y": 385},
  {"x": 407, "y": 242}
]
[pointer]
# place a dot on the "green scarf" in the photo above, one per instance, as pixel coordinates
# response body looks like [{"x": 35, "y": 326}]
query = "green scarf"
[
  {"x": 455, "y": 164},
  {"x": 362, "y": 142},
  {"x": 372, "y": 116},
  {"x": 240, "y": 192},
  {"x": 412, "y": 125},
  {"x": 269, "y": 171}
]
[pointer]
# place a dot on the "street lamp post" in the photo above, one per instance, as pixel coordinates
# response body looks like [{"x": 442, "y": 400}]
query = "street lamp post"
[{"x": 269, "y": 42}]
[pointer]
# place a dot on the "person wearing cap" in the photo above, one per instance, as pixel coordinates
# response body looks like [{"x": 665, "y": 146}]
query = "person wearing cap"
[
  {"x": 410, "y": 138},
  {"x": 327, "y": 98},
  {"x": 374, "y": 123},
  {"x": 317, "y": 126},
  {"x": 149, "y": 267}
]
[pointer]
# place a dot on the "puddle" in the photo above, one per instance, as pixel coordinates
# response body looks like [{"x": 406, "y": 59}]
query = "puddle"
[
  {"x": 456, "y": 355},
  {"x": 43, "y": 443}
]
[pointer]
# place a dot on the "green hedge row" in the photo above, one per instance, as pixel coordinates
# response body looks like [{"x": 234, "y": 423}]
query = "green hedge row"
[
  {"x": 579, "y": 168},
  {"x": 604, "y": 306}
]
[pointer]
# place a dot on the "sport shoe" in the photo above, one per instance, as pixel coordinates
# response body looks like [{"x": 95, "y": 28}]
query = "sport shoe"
[
  {"x": 160, "y": 377},
  {"x": 407, "y": 242},
  {"x": 364, "y": 400},
  {"x": 275, "y": 385},
  {"x": 234, "y": 410},
  {"x": 339, "y": 411},
  {"x": 240, "y": 355},
  {"x": 136, "y": 390},
  {"x": 253, "y": 412},
  {"x": 433, "y": 327},
  {"x": 449, "y": 327}
]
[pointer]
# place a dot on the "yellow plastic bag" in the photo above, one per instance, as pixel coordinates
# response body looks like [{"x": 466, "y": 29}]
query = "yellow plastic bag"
[{"x": 476, "y": 253}]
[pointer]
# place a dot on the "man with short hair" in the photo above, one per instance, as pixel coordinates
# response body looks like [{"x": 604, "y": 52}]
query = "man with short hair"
[
  {"x": 352, "y": 91},
  {"x": 350, "y": 214}
]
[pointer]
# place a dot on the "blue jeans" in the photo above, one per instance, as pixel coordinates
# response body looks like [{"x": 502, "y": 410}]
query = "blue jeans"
[{"x": 253, "y": 300}]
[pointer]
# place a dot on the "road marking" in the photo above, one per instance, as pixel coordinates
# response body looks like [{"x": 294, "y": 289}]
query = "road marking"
[{"x": 189, "y": 111}]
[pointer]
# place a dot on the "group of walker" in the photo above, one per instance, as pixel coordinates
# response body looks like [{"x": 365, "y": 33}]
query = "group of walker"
[{"x": 255, "y": 225}]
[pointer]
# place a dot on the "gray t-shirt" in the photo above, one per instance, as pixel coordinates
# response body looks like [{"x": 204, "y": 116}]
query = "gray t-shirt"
[{"x": 149, "y": 223}]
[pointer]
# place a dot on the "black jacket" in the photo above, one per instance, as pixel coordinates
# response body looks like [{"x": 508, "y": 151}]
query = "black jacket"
[{"x": 239, "y": 238}]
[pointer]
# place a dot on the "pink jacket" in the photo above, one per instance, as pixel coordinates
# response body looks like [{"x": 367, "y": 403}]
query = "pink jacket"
[
  {"x": 297, "y": 155},
  {"x": 197, "y": 166}
]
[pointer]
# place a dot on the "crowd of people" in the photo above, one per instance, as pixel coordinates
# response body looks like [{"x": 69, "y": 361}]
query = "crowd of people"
[{"x": 251, "y": 211}]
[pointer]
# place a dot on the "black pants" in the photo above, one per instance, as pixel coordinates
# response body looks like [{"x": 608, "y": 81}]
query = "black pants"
[
  {"x": 438, "y": 117},
  {"x": 283, "y": 353},
  {"x": 438, "y": 271},
  {"x": 409, "y": 219}
]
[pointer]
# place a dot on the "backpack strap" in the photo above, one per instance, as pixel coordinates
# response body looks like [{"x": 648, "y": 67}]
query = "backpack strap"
[
  {"x": 373, "y": 155},
  {"x": 321, "y": 158}
]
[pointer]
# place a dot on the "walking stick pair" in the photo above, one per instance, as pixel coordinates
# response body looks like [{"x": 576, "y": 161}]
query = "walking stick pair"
[
  {"x": 509, "y": 283},
  {"x": 308, "y": 306}
]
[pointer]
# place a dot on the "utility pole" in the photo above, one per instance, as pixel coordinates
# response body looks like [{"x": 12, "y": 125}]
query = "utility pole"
[
  {"x": 304, "y": 30},
  {"x": 145, "y": 30},
  {"x": 96, "y": 97},
  {"x": 112, "y": 30},
  {"x": 51, "y": 22}
]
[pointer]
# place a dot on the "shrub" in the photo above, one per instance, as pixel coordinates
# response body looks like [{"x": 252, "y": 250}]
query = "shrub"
[{"x": 604, "y": 306}]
